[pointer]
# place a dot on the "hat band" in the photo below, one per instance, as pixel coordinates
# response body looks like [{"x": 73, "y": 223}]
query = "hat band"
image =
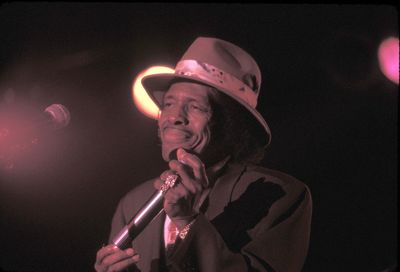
[{"x": 218, "y": 78}]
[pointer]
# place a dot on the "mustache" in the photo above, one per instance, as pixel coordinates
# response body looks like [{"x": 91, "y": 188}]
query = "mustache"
[{"x": 177, "y": 127}]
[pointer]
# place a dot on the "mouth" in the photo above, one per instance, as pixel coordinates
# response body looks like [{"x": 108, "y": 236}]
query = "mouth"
[{"x": 175, "y": 135}]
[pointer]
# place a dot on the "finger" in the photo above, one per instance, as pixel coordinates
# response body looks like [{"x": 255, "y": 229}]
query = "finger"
[
  {"x": 104, "y": 252},
  {"x": 165, "y": 174},
  {"x": 174, "y": 195},
  {"x": 125, "y": 263},
  {"x": 185, "y": 178},
  {"x": 118, "y": 256},
  {"x": 193, "y": 162},
  {"x": 158, "y": 183},
  {"x": 161, "y": 180}
]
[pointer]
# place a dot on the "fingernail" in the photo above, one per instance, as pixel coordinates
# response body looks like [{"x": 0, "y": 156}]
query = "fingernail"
[
  {"x": 182, "y": 161},
  {"x": 129, "y": 251},
  {"x": 181, "y": 154}
]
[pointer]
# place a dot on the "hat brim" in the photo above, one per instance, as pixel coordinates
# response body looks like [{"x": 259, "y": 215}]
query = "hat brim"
[{"x": 156, "y": 84}]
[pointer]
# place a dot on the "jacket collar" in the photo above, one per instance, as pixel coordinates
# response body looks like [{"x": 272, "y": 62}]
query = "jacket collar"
[{"x": 220, "y": 194}]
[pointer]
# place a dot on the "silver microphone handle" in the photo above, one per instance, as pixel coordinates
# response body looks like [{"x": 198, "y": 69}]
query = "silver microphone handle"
[{"x": 144, "y": 216}]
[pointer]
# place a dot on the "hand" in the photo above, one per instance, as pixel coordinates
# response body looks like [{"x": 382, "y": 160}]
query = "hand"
[
  {"x": 180, "y": 202},
  {"x": 111, "y": 258}
]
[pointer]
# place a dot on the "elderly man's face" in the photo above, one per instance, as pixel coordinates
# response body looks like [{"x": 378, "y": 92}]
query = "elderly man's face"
[{"x": 185, "y": 118}]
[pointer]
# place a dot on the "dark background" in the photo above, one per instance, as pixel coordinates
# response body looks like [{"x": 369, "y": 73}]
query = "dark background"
[{"x": 332, "y": 113}]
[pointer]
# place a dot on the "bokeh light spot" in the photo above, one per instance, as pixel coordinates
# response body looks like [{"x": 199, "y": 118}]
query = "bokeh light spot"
[
  {"x": 140, "y": 97},
  {"x": 388, "y": 55}
]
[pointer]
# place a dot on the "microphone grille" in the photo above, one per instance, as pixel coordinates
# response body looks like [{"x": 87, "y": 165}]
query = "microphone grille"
[{"x": 59, "y": 114}]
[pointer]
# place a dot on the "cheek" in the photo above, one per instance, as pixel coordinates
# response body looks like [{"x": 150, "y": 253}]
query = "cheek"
[
  {"x": 199, "y": 123},
  {"x": 203, "y": 139},
  {"x": 160, "y": 121},
  {"x": 204, "y": 132},
  {"x": 161, "y": 117}
]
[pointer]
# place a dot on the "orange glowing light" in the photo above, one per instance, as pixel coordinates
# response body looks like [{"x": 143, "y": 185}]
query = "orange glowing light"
[
  {"x": 140, "y": 97},
  {"x": 388, "y": 55}
]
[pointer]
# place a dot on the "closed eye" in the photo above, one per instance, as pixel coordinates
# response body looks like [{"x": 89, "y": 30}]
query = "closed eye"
[
  {"x": 197, "y": 107},
  {"x": 167, "y": 104}
]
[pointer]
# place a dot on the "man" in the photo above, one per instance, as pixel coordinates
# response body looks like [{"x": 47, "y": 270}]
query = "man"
[{"x": 226, "y": 213}]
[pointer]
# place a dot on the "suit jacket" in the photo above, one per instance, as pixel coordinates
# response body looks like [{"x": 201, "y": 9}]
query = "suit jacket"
[{"x": 254, "y": 219}]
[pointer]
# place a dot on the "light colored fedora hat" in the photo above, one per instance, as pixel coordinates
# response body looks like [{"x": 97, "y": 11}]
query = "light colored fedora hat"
[{"x": 219, "y": 64}]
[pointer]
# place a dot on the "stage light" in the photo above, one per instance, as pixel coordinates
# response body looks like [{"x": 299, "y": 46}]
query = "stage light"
[
  {"x": 388, "y": 55},
  {"x": 141, "y": 99}
]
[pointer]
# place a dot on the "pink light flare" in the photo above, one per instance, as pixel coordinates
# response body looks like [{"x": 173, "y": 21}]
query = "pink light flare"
[
  {"x": 141, "y": 99},
  {"x": 5, "y": 160},
  {"x": 16, "y": 141},
  {"x": 388, "y": 56}
]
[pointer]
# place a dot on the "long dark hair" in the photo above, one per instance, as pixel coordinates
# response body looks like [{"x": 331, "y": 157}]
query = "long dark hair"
[{"x": 234, "y": 131}]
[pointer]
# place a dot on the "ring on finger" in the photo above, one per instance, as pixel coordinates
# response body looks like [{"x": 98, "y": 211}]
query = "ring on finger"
[{"x": 170, "y": 182}]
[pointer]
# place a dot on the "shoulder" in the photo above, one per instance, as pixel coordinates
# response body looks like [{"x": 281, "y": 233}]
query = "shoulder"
[
  {"x": 286, "y": 196},
  {"x": 273, "y": 183},
  {"x": 284, "y": 180}
]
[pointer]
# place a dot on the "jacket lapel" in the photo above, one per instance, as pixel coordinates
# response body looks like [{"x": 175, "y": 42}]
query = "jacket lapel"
[{"x": 220, "y": 194}]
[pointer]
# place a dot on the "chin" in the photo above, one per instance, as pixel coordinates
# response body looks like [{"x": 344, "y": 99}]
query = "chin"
[{"x": 169, "y": 153}]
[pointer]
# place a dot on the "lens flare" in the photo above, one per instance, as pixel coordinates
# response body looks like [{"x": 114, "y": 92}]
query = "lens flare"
[
  {"x": 140, "y": 97},
  {"x": 388, "y": 55}
]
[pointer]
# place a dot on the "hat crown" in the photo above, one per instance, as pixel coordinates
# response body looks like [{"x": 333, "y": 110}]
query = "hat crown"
[
  {"x": 228, "y": 58},
  {"x": 219, "y": 64}
]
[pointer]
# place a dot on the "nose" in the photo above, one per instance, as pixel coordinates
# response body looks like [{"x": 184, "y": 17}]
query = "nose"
[{"x": 177, "y": 116}]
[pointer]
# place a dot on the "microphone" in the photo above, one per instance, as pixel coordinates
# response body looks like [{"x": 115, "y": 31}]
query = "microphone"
[
  {"x": 57, "y": 116},
  {"x": 54, "y": 117},
  {"x": 145, "y": 215}
]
